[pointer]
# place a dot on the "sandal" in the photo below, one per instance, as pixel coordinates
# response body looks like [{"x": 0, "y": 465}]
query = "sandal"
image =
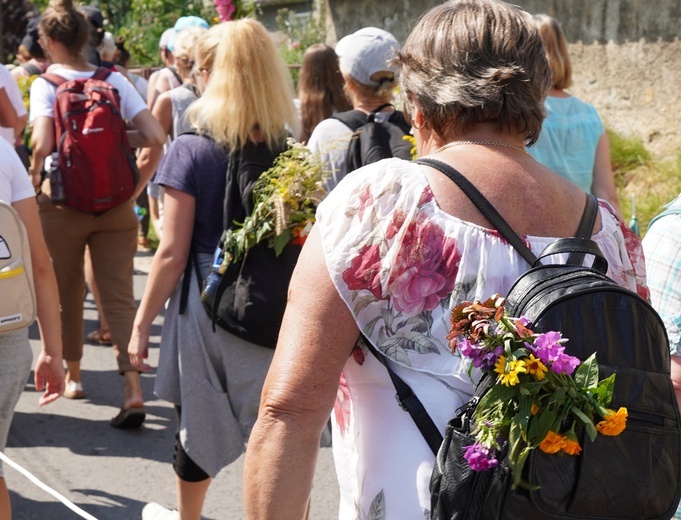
[
  {"x": 74, "y": 390},
  {"x": 129, "y": 419},
  {"x": 99, "y": 337}
]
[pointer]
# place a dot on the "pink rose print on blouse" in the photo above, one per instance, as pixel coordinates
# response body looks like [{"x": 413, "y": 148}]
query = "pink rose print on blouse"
[
  {"x": 395, "y": 224},
  {"x": 425, "y": 269},
  {"x": 364, "y": 271},
  {"x": 342, "y": 406},
  {"x": 366, "y": 199},
  {"x": 426, "y": 196},
  {"x": 634, "y": 249}
]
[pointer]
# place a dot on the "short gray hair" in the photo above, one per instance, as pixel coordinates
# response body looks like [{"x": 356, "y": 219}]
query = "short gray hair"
[{"x": 474, "y": 61}]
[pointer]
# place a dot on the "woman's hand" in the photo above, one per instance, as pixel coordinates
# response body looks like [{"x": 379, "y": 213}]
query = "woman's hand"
[
  {"x": 138, "y": 348},
  {"x": 49, "y": 375}
]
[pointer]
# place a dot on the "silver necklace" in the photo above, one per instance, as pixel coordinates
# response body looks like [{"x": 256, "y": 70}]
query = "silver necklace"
[{"x": 483, "y": 143}]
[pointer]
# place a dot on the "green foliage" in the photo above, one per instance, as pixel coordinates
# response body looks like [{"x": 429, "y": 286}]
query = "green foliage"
[
  {"x": 301, "y": 33},
  {"x": 143, "y": 25},
  {"x": 643, "y": 180}
]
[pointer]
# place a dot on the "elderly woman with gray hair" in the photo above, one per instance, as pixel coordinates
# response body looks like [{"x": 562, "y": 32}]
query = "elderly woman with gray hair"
[{"x": 395, "y": 247}]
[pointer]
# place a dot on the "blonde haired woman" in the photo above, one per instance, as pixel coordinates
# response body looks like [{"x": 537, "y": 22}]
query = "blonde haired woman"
[
  {"x": 248, "y": 99},
  {"x": 573, "y": 142}
]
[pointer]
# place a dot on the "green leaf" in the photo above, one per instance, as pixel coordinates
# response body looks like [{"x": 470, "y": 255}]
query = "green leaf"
[
  {"x": 605, "y": 390},
  {"x": 279, "y": 242},
  {"x": 499, "y": 393},
  {"x": 588, "y": 423},
  {"x": 586, "y": 375}
]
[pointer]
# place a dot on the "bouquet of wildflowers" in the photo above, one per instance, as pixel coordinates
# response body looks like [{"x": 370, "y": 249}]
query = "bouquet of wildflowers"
[
  {"x": 541, "y": 397},
  {"x": 285, "y": 200}
]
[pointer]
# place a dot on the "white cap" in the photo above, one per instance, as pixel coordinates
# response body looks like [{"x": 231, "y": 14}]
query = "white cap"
[
  {"x": 366, "y": 52},
  {"x": 165, "y": 38}
]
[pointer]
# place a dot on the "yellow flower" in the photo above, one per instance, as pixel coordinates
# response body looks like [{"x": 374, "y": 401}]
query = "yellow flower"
[
  {"x": 571, "y": 447},
  {"x": 536, "y": 368},
  {"x": 552, "y": 443},
  {"x": 508, "y": 372},
  {"x": 613, "y": 423}
]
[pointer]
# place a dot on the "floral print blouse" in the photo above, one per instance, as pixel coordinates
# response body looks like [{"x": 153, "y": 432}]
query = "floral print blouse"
[{"x": 400, "y": 264}]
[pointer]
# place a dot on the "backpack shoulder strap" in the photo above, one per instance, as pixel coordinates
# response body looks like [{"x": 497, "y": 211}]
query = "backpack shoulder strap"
[
  {"x": 101, "y": 73},
  {"x": 666, "y": 212},
  {"x": 410, "y": 403},
  {"x": 32, "y": 69},
  {"x": 484, "y": 206},
  {"x": 397, "y": 118},
  {"x": 353, "y": 119},
  {"x": 53, "y": 79}
]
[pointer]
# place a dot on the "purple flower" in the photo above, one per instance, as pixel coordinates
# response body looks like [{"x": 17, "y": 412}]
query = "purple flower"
[
  {"x": 547, "y": 346},
  {"x": 564, "y": 364},
  {"x": 480, "y": 355},
  {"x": 479, "y": 457}
]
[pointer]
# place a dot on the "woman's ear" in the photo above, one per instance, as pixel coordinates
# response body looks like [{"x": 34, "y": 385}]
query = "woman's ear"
[{"x": 417, "y": 119}]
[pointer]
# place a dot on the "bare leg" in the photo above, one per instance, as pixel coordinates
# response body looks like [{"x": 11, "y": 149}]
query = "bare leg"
[
  {"x": 73, "y": 373},
  {"x": 5, "y": 505},
  {"x": 190, "y": 498},
  {"x": 92, "y": 284},
  {"x": 133, "y": 390}
]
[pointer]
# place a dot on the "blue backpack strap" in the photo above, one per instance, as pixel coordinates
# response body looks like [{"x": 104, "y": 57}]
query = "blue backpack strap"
[{"x": 674, "y": 210}]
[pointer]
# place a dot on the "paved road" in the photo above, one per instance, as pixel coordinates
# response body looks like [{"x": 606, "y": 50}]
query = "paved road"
[{"x": 112, "y": 474}]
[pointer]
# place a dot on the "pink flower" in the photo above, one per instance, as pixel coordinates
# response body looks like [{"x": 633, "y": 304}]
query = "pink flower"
[
  {"x": 564, "y": 364},
  {"x": 366, "y": 200},
  {"x": 479, "y": 457},
  {"x": 225, "y": 9},
  {"x": 547, "y": 346},
  {"x": 426, "y": 196},
  {"x": 364, "y": 271},
  {"x": 425, "y": 268}
]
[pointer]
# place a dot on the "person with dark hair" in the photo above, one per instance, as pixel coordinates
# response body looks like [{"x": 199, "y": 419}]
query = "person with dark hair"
[
  {"x": 395, "y": 247},
  {"x": 111, "y": 235},
  {"x": 37, "y": 62},
  {"x": 573, "y": 141},
  {"x": 364, "y": 59},
  {"x": 320, "y": 88}
]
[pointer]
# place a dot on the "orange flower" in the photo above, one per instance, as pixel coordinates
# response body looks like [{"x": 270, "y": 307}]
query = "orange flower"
[
  {"x": 571, "y": 447},
  {"x": 552, "y": 443},
  {"x": 614, "y": 423},
  {"x": 535, "y": 409}
]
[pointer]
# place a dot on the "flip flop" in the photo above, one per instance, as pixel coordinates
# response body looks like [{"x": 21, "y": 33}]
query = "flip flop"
[
  {"x": 128, "y": 419},
  {"x": 99, "y": 337}
]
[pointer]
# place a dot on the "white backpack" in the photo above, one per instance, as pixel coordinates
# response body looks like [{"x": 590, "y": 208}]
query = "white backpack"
[{"x": 17, "y": 291}]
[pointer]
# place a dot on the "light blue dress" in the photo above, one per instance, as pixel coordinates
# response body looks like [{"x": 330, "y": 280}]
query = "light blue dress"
[{"x": 568, "y": 140}]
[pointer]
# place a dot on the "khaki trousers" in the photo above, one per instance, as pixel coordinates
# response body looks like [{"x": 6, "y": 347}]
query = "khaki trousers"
[{"x": 112, "y": 239}]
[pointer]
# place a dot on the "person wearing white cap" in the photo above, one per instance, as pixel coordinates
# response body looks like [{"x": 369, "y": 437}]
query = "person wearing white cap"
[{"x": 364, "y": 58}]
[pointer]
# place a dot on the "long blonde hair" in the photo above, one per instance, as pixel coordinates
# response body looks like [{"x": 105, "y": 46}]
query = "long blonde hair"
[{"x": 249, "y": 89}]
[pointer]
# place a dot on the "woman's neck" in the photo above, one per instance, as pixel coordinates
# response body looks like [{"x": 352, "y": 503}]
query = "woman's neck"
[{"x": 69, "y": 61}]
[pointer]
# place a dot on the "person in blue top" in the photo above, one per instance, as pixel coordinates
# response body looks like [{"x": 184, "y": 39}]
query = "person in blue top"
[{"x": 573, "y": 142}]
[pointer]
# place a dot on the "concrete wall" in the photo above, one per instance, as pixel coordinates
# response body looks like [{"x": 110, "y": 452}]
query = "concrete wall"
[{"x": 626, "y": 55}]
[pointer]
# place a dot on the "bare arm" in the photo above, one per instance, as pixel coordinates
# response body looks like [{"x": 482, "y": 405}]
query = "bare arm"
[
  {"x": 317, "y": 336},
  {"x": 147, "y": 131},
  {"x": 8, "y": 115},
  {"x": 159, "y": 86},
  {"x": 19, "y": 128},
  {"x": 148, "y": 158},
  {"x": 166, "y": 270},
  {"x": 49, "y": 368},
  {"x": 603, "y": 184},
  {"x": 43, "y": 144}
]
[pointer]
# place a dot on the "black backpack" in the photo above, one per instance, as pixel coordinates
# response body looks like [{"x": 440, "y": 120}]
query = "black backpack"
[
  {"x": 248, "y": 299},
  {"x": 634, "y": 475},
  {"x": 373, "y": 141}
]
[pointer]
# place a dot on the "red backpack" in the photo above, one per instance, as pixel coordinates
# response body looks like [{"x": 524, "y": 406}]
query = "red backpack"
[{"x": 95, "y": 168}]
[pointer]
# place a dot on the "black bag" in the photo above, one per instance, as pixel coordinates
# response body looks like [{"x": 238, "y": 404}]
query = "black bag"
[
  {"x": 373, "y": 141},
  {"x": 249, "y": 298},
  {"x": 636, "y": 474}
]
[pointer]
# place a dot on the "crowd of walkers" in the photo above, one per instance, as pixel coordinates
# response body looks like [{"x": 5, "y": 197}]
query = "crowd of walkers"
[{"x": 482, "y": 88}]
